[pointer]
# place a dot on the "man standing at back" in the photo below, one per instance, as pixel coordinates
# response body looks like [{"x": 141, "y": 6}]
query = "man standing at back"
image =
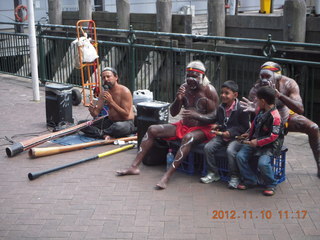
[{"x": 199, "y": 100}]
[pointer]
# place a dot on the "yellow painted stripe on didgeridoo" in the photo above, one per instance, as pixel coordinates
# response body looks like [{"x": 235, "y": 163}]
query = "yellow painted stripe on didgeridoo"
[{"x": 116, "y": 150}]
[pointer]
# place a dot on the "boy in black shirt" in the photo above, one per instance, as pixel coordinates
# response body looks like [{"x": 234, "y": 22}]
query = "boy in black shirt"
[
  {"x": 231, "y": 121},
  {"x": 265, "y": 141}
]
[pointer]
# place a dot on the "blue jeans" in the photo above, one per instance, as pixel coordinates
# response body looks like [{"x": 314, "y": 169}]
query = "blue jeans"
[
  {"x": 245, "y": 157},
  {"x": 107, "y": 127},
  {"x": 216, "y": 144}
]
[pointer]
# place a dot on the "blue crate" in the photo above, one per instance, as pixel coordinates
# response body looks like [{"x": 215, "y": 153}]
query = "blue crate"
[
  {"x": 279, "y": 166},
  {"x": 195, "y": 163}
]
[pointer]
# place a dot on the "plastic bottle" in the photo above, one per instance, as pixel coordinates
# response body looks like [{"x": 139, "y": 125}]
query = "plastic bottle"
[{"x": 170, "y": 158}]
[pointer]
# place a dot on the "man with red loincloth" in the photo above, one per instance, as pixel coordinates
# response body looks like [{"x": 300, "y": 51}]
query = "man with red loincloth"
[{"x": 200, "y": 100}]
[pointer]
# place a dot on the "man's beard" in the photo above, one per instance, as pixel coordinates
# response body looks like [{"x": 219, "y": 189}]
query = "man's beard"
[
  {"x": 107, "y": 86},
  {"x": 192, "y": 83},
  {"x": 264, "y": 83}
]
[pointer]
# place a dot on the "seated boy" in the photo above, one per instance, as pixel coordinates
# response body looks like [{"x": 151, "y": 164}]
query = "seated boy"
[
  {"x": 265, "y": 141},
  {"x": 232, "y": 121}
]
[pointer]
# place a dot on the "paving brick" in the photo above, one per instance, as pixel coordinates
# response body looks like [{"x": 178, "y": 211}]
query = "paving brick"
[
  {"x": 140, "y": 236},
  {"x": 266, "y": 237},
  {"x": 294, "y": 229},
  {"x": 281, "y": 234}
]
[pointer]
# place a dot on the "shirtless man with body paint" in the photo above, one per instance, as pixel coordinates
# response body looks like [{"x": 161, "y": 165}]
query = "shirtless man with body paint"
[
  {"x": 289, "y": 105},
  {"x": 200, "y": 100}
]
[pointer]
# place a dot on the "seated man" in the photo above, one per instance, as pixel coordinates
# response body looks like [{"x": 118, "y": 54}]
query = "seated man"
[
  {"x": 289, "y": 105},
  {"x": 116, "y": 101},
  {"x": 200, "y": 100}
]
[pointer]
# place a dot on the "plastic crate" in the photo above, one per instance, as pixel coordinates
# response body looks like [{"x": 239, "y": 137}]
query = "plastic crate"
[
  {"x": 195, "y": 163},
  {"x": 279, "y": 166}
]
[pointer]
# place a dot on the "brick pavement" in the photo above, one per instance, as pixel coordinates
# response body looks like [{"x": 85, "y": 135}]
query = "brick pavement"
[{"x": 89, "y": 202}]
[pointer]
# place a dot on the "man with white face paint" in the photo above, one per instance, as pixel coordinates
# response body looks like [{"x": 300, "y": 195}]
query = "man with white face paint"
[
  {"x": 199, "y": 100},
  {"x": 289, "y": 105}
]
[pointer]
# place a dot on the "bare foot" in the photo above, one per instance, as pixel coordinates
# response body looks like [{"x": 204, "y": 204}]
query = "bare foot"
[
  {"x": 162, "y": 184},
  {"x": 107, "y": 137},
  {"x": 129, "y": 171}
]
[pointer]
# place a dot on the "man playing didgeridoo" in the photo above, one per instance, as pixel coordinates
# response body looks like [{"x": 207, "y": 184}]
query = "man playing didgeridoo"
[
  {"x": 116, "y": 100},
  {"x": 289, "y": 105},
  {"x": 200, "y": 100}
]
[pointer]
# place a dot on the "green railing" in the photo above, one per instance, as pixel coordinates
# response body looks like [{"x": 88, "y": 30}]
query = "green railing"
[{"x": 156, "y": 61}]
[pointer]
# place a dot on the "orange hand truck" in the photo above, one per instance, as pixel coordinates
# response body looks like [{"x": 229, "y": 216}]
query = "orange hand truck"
[{"x": 90, "y": 71}]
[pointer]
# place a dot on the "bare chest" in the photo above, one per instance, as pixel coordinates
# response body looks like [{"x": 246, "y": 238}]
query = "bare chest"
[{"x": 198, "y": 102}]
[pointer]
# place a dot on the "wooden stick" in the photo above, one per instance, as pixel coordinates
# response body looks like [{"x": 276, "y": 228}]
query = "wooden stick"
[
  {"x": 47, "y": 151},
  {"x": 19, "y": 147}
]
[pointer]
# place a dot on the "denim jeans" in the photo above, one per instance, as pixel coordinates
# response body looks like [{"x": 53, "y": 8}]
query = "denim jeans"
[
  {"x": 215, "y": 145},
  {"x": 107, "y": 127},
  {"x": 244, "y": 159}
]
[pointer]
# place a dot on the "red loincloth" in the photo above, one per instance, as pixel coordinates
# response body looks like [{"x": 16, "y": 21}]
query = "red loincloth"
[{"x": 182, "y": 130}]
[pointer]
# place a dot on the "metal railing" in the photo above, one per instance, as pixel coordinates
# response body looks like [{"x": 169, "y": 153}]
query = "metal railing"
[{"x": 156, "y": 61}]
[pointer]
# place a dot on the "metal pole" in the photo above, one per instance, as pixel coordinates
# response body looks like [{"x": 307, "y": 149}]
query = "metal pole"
[{"x": 33, "y": 52}]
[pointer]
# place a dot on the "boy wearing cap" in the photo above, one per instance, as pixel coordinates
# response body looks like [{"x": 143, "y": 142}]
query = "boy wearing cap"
[{"x": 231, "y": 121}]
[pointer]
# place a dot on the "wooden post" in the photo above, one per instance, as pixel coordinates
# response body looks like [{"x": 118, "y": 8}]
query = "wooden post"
[
  {"x": 18, "y": 28},
  {"x": 164, "y": 24},
  {"x": 123, "y": 14},
  {"x": 98, "y": 5},
  {"x": 216, "y": 27},
  {"x": 294, "y": 20},
  {"x": 216, "y": 18},
  {"x": 85, "y": 9},
  {"x": 164, "y": 16},
  {"x": 55, "y": 12}
]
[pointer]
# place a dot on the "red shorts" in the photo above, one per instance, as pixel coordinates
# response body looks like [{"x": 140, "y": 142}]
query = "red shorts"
[{"x": 182, "y": 130}]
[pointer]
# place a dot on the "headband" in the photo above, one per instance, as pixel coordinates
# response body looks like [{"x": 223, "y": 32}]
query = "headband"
[
  {"x": 191, "y": 69},
  {"x": 272, "y": 68}
]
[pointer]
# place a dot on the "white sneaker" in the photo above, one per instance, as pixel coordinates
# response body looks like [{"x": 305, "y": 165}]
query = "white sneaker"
[
  {"x": 211, "y": 177},
  {"x": 234, "y": 182}
]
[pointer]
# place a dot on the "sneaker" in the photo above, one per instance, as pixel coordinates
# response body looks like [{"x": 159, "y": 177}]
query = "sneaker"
[
  {"x": 243, "y": 186},
  {"x": 211, "y": 177},
  {"x": 233, "y": 183},
  {"x": 269, "y": 192}
]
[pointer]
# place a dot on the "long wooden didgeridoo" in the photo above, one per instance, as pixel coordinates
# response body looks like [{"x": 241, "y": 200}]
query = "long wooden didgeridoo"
[
  {"x": 19, "y": 147},
  {"x": 47, "y": 151}
]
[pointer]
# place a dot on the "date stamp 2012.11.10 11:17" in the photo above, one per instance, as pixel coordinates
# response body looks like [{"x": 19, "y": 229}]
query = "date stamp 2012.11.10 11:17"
[{"x": 263, "y": 214}]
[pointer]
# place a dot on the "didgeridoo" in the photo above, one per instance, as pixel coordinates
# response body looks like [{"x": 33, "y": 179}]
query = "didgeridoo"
[
  {"x": 33, "y": 176},
  {"x": 47, "y": 151},
  {"x": 19, "y": 147}
]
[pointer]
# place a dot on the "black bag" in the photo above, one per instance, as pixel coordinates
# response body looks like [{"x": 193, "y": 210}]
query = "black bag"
[{"x": 157, "y": 154}]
